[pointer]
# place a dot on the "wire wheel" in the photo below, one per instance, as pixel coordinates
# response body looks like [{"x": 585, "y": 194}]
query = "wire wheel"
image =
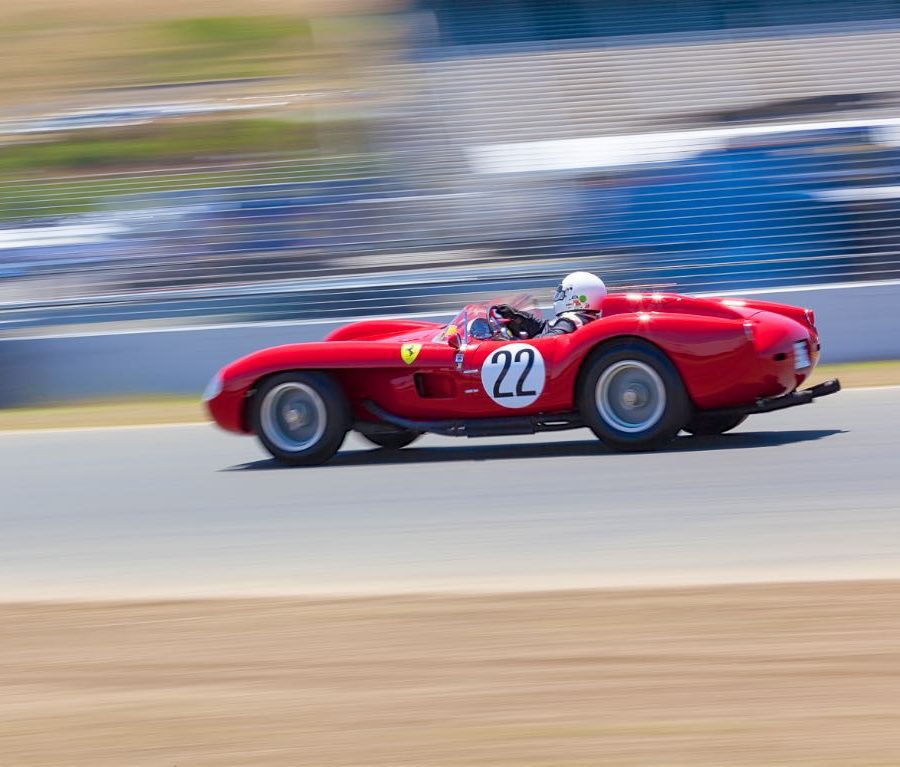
[
  {"x": 630, "y": 396},
  {"x": 293, "y": 416}
]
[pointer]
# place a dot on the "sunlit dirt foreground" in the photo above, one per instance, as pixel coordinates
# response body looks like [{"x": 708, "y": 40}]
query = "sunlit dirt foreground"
[{"x": 745, "y": 675}]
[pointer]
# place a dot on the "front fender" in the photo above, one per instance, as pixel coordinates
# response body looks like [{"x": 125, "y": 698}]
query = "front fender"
[
  {"x": 321, "y": 355},
  {"x": 375, "y": 329},
  {"x": 238, "y": 379}
]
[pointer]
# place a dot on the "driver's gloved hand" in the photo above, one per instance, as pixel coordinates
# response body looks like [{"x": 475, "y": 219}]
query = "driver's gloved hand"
[
  {"x": 523, "y": 325},
  {"x": 519, "y": 323}
]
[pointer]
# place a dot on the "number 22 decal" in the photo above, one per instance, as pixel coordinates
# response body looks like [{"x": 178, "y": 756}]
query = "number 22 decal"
[
  {"x": 523, "y": 375},
  {"x": 513, "y": 375}
]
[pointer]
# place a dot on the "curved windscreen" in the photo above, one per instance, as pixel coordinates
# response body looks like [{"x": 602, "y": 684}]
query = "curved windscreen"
[{"x": 481, "y": 310}]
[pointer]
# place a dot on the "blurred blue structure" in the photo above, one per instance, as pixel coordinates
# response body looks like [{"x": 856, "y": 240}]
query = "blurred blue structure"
[
  {"x": 751, "y": 213},
  {"x": 463, "y": 24}
]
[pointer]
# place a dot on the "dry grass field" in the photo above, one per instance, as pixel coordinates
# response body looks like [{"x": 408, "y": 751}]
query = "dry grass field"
[
  {"x": 68, "y": 53},
  {"x": 742, "y": 675},
  {"x": 160, "y": 9}
]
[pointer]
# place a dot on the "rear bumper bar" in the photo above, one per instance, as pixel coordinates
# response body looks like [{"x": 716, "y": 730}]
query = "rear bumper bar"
[{"x": 768, "y": 404}]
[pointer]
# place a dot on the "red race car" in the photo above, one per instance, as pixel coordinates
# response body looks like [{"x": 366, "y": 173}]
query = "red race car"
[{"x": 652, "y": 365}]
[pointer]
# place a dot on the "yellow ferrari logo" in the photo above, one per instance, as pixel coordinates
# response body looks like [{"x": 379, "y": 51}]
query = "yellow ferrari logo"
[{"x": 409, "y": 352}]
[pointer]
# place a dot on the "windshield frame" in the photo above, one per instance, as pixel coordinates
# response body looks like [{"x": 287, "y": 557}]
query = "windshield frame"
[{"x": 476, "y": 309}]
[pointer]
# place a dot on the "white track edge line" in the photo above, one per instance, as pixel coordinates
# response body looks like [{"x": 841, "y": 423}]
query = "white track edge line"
[{"x": 111, "y": 427}]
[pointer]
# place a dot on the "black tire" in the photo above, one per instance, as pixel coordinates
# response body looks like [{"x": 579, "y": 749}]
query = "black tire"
[
  {"x": 703, "y": 425},
  {"x": 632, "y": 397},
  {"x": 393, "y": 440},
  {"x": 300, "y": 418}
]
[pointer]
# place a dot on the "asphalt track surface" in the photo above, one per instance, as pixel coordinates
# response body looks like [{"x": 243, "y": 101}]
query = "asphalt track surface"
[{"x": 812, "y": 492}]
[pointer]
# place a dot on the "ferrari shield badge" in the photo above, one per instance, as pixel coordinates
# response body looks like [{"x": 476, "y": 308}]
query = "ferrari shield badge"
[{"x": 409, "y": 352}]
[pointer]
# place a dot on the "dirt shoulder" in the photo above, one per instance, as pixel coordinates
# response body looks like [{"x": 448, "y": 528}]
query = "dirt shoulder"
[
  {"x": 132, "y": 412},
  {"x": 854, "y": 374},
  {"x": 741, "y": 675}
]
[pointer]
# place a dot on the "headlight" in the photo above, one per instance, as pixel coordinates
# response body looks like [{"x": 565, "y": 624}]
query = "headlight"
[{"x": 213, "y": 388}]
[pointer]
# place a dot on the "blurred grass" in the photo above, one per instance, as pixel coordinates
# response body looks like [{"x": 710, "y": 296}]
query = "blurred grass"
[
  {"x": 58, "y": 56},
  {"x": 52, "y": 48},
  {"x": 186, "y": 409},
  {"x": 167, "y": 143},
  {"x": 74, "y": 190},
  {"x": 220, "y": 47}
]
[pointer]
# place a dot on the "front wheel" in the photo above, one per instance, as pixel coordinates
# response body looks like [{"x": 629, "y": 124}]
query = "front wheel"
[
  {"x": 632, "y": 397},
  {"x": 300, "y": 418}
]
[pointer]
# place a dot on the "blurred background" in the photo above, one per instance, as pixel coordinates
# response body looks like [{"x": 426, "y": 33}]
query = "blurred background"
[{"x": 196, "y": 163}]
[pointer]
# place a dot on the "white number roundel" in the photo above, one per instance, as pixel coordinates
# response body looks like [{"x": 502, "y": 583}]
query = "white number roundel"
[{"x": 513, "y": 375}]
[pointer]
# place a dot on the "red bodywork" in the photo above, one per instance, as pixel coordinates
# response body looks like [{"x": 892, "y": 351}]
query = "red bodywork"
[{"x": 729, "y": 353}]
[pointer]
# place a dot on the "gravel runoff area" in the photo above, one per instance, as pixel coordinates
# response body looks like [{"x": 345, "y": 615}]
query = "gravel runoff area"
[
  {"x": 728, "y": 675},
  {"x": 157, "y": 410}
]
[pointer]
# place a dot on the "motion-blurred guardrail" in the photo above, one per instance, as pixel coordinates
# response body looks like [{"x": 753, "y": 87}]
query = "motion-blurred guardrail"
[
  {"x": 857, "y": 322},
  {"x": 799, "y": 204}
]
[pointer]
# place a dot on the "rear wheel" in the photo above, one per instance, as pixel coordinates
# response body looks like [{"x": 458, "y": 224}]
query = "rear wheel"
[
  {"x": 393, "y": 440},
  {"x": 300, "y": 418},
  {"x": 632, "y": 397},
  {"x": 703, "y": 425}
]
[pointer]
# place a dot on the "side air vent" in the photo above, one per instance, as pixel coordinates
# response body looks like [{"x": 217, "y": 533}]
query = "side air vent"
[{"x": 435, "y": 386}]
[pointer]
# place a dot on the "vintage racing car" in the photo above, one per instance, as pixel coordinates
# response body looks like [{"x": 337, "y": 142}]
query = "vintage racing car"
[{"x": 653, "y": 364}]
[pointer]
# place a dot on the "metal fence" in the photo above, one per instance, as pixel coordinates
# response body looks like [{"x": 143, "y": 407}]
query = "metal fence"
[{"x": 457, "y": 202}]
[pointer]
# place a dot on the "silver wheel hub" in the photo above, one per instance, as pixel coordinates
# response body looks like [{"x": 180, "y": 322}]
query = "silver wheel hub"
[
  {"x": 297, "y": 417},
  {"x": 630, "y": 396},
  {"x": 635, "y": 396},
  {"x": 293, "y": 416}
]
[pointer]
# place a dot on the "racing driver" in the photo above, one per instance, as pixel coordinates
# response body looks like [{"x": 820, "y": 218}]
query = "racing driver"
[{"x": 577, "y": 302}]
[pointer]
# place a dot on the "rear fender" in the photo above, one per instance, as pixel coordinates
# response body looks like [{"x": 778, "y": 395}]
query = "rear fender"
[
  {"x": 603, "y": 346},
  {"x": 708, "y": 352},
  {"x": 797, "y": 313}
]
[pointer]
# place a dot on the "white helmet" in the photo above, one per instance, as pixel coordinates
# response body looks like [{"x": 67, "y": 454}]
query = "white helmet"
[{"x": 579, "y": 291}]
